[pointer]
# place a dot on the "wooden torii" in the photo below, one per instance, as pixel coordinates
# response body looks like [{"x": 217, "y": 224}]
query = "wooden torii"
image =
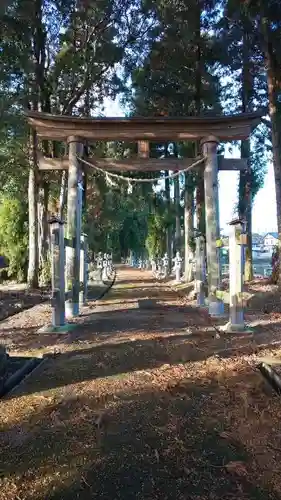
[{"x": 209, "y": 130}]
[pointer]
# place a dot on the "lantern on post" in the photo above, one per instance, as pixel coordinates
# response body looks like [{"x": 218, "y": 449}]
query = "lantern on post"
[
  {"x": 237, "y": 240},
  {"x": 57, "y": 271}
]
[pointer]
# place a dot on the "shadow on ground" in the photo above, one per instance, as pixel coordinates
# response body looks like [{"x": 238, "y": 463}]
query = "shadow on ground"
[
  {"x": 143, "y": 278},
  {"x": 141, "y": 316},
  {"x": 128, "y": 412},
  {"x": 154, "y": 443},
  {"x": 116, "y": 358},
  {"x": 140, "y": 292}
]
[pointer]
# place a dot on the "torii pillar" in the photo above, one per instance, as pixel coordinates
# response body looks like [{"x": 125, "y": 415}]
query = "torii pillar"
[
  {"x": 74, "y": 220},
  {"x": 209, "y": 146}
]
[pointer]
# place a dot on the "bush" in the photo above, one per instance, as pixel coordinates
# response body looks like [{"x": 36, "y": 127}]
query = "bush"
[{"x": 14, "y": 236}]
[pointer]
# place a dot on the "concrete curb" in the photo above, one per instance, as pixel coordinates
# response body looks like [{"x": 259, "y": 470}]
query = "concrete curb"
[
  {"x": 110, "y": 285},
  {"x": 17, "y": 377}
]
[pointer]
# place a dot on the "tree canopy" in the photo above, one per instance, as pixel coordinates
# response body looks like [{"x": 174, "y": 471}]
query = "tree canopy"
[{"x": 160, "y": 57}]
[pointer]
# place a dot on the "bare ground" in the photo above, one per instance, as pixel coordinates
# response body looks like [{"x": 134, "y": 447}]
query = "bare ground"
[{"x": 144, "y": 400}]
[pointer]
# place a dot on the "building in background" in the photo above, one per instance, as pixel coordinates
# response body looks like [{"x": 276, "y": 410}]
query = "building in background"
[
  {"x": 270, "y": 240},
  {"x": 257, "y": 242}
]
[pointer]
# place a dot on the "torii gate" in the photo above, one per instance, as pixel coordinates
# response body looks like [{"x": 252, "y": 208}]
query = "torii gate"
[{"x": 210, "y": 131}]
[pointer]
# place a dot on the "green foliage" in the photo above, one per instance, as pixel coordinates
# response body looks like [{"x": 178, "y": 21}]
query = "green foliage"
[
  {"x": 176, "y": 77},
  {"x": 13, "y": 149},
  {"x": 133, "y": 233},
  {"x": 64, "y": 56},
  {"x": 242, "y": 63},
  {"x": 14, "y": 236},
  {"x": 45, "y": 272},
  {"x": 156, "y": 242},
  {"x": 116, "y": 220}
]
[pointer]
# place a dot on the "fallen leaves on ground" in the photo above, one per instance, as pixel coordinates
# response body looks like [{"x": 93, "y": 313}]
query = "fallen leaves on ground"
[
  {"x": 140, "y": 379},
  {"x": 236, "y": 467}
]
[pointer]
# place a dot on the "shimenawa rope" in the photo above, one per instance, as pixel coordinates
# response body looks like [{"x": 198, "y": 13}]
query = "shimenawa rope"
[{"x": 134, "y": 179}]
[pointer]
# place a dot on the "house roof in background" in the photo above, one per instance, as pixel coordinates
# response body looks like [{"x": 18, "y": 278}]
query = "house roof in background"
[{"x": 274, "y": 235}]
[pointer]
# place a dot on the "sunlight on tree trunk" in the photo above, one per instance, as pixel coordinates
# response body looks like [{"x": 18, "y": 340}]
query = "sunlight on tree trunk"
[
  {"x": 63, "y": 193},
  {"x": 188, "y": 227},
  {"x": 33, "y": 262},
  {"x": 245, "y": 208},
  {"x": 43, "y": 202},
  {"x": 245, "y": 178},
  {"x": 177, "y": 206},
  {"x": 273, "y": 93},
  {"x": 168, "y": 230}
]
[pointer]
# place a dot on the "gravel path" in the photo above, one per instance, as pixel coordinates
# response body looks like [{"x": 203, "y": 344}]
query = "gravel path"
[{"x": 145, "y": 402}]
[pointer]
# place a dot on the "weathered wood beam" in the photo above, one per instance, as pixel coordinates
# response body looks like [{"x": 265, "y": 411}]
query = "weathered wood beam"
[
  {"x": 225, "y": 127},
  {"x": 52, "y": 163},
  {"x": 141, "y": 164}
]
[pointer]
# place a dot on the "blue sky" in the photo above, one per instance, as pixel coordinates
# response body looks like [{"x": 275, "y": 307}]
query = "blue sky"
[{"x": 264, "y": 210}]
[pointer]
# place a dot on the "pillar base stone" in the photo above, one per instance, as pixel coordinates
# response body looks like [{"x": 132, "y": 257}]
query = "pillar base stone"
[
  {"x": 239, "y": 328},
  {"x": 71, "y": 309},
  {"x": 63, "y": 329},
  {"x": 216, "y": 308},
  {"x": 201, "y": 300}
]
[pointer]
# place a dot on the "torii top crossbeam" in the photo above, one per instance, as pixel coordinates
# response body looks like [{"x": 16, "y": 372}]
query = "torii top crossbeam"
[{"x": 224, "y": 127}]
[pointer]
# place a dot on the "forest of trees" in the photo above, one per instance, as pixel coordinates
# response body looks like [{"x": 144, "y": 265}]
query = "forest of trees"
[{"x": 161, "y": 57}]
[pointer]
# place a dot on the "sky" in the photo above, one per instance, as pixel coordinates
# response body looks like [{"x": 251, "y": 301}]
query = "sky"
[{"x": 264, "y": 209}]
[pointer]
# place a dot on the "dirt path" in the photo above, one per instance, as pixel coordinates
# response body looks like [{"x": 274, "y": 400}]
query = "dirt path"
[{"x": 144, "y": 401}]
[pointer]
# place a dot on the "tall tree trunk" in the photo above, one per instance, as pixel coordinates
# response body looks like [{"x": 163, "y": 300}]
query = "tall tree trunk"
[
  {"x": 275, "y": 116},
  {"x": 87, "y": 112},
  {"x": 245, "y": 178},
  {"x": 177, "y": 211},
  {"x": 200, "y": 192},
  {"x": 168, "y": 202},
  {"x": 245, "y": 208},
  {"x": 43, "y": 232},
  {"x": 38, "y": 97},
  {"x": 33, "y": 262},
  {"x": 63, "y": 193},
  {"x": 200, "y": 204},
  {"x": 168, "y": 229},
  {"x": 188, "y": 226},
  {"x": 85, "y": 185},
  {"x": 42, "y": 208},
  {"x": 177, "y": 207}
]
